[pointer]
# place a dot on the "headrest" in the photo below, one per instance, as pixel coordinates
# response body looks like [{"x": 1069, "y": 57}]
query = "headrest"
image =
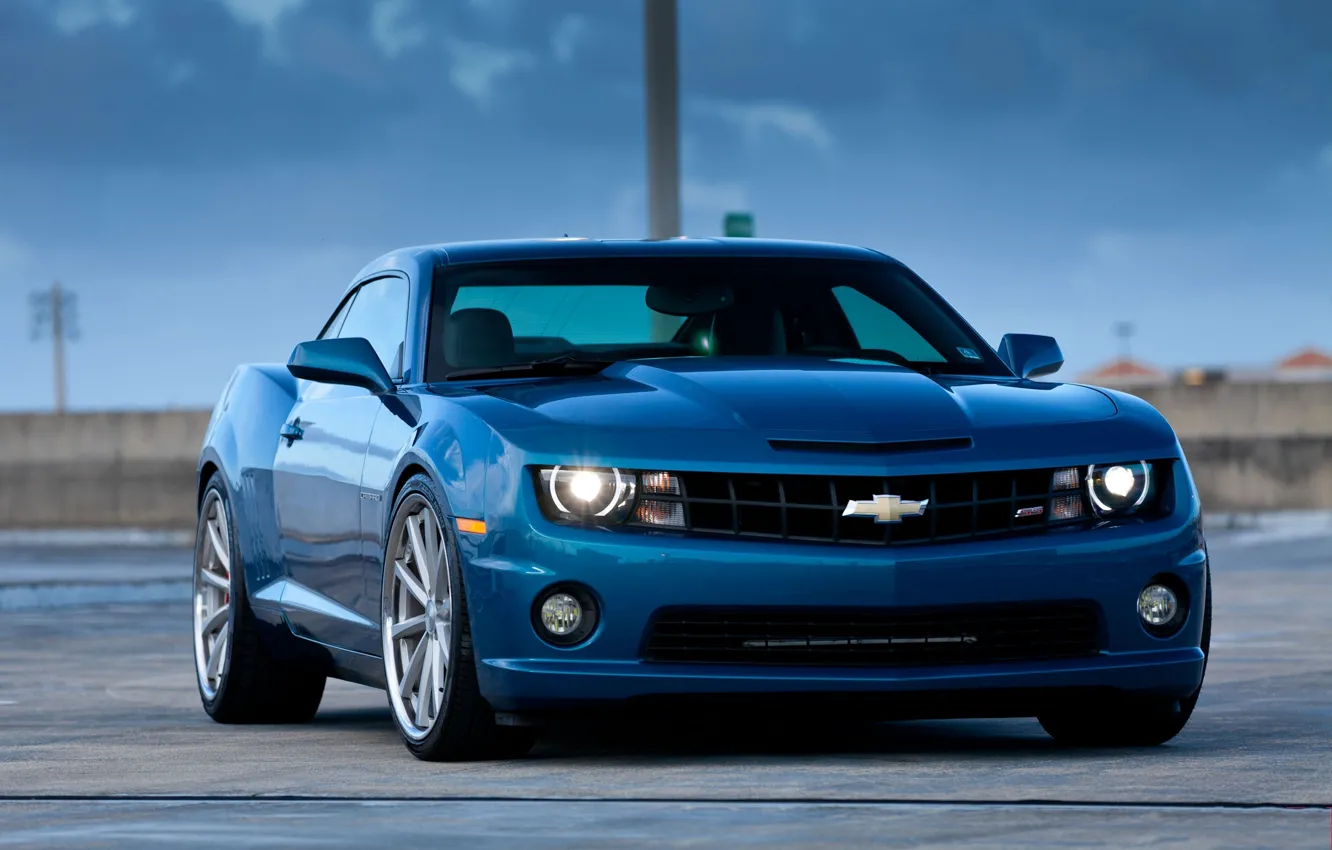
[
  {"x": 749, "y": 329},
  {"x": 477, "y": 337}
]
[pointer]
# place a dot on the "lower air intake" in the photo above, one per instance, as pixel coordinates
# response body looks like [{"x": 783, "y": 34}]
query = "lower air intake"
[{"x": 874, "y": 637}]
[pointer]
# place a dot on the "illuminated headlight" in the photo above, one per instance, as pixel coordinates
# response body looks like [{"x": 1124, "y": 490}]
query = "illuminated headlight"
[
  {"x": 1119, "y": 488},
  {"x": 605, "y": 495},
  {"x": 611, "y": 496}
]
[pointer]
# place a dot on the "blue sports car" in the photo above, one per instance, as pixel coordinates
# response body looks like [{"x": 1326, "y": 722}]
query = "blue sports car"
[{"x": 508, "y": 480}]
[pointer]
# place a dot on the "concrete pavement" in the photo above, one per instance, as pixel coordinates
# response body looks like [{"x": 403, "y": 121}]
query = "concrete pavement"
[{"x": 99, "y": 719}]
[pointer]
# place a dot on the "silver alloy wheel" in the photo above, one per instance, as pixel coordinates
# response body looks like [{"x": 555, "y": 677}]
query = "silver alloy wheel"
[
  {"x": 212, "y": 595},
  {"x": 418, "y": 617}
]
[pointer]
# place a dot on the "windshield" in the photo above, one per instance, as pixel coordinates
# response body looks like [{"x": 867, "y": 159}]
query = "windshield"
[{"x": 610, "y": 309}]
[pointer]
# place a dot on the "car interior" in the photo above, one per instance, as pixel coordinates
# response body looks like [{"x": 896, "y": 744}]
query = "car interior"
[{"x": 753, "y": 326}]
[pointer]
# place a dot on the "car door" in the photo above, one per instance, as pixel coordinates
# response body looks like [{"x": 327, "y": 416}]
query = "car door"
[{"x": 317, "y": 477}]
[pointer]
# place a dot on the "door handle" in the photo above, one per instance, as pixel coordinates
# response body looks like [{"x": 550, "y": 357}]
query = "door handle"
[{"x": 292, "y": 431}]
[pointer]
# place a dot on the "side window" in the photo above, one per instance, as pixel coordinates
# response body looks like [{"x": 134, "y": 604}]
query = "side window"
[
  {"x": 876, "y": 326},
  {"x": 379, "y": 314},
  {"x": 331, "y": 329}
]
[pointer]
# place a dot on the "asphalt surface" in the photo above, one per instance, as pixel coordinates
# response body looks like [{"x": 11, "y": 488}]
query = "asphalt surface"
[{"x": 103, "y": 743}]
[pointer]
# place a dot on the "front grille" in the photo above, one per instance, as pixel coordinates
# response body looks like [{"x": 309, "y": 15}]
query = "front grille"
[
  {"x": 875, "y": 637},
  {"x": 809, "y": 507}
]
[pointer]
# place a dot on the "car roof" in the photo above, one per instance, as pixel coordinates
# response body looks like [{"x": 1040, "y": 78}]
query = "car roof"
[{"x": 458, "y": 253}]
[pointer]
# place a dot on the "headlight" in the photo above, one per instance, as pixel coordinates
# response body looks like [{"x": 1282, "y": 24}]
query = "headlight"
[
  {"x": 597, "y": 495},
  {"x": 1117, "y": 489},
  {"x": 611, "y": 496}
]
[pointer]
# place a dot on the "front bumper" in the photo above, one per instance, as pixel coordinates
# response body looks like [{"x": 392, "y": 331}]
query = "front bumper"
[{"x": 634, "y": 575}]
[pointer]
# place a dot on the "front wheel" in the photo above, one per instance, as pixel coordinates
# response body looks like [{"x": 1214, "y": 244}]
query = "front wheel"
[
  {"x": 1120, "y": 724},
  {"x": 429, "y": 663},
  {"x": 1130, "y": 723}
]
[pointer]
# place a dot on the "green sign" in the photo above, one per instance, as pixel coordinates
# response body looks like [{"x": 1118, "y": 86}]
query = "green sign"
[{"x": 738, "y": 224}]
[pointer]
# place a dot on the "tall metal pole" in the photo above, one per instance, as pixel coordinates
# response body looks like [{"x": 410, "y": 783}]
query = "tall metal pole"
[
  {"x": 662, "y": 66},
  {"x": 58, "y": 344}
]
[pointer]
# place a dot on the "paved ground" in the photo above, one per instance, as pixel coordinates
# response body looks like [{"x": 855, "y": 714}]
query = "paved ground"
[
  {"x": 98, "y": 702},
  {"x": 38, "y": 573}
]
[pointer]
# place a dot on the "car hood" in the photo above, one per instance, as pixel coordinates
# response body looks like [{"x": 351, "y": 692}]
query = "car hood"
[{"x": 791, "y": 398}]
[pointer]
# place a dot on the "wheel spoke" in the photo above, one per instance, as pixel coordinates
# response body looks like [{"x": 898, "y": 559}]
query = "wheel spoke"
[
  {"x": 425, "y": 691},
  {"x": 419, "y": 552},
  {"x": 437, "y": 681},
  {"x": 215, "y": 580},
  {"x": 412, "y": 672},
  {"x": 444, "y": 629},
  {"x": 215, "y": 622},
  {"x": 409, "y": 581},
  {"x": 219, "y": 651},
  {"x": 432, "y": 553},
  {"x": 409, "y": 627},
  {"x": 218, "y": 546}
]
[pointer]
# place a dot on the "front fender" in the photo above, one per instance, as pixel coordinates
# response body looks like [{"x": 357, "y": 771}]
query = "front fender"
[{"x": 450, "y": 444}]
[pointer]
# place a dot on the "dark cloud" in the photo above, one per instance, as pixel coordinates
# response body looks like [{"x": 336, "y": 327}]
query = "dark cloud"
[
  {"x": 990, "y": 141},
  {"x": 185, "y": 81}
]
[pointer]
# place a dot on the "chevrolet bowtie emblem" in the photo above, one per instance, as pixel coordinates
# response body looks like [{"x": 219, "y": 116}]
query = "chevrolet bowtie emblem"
[{"x": 885, "y": 508}]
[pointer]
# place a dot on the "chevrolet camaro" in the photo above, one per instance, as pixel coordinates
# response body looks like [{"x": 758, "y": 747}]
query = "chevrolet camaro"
[{"x": 510, "y": 481}]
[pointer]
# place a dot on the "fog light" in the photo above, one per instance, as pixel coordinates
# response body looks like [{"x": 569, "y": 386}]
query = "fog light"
[
  {"x": 1157, "y": 605},
  {"x": 565, "y": 615},
  {"x": 562, "y": 615}
]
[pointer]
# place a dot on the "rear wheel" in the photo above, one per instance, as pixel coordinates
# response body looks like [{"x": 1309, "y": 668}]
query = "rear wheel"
[
  {"x": 429, "y": 663},
  {"x": 1129, "y": 722},
  {"x": 239, "y": 680}
]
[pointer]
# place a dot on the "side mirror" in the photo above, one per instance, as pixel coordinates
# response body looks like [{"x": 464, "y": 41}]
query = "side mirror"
[
  {"x": 1030, "y": 355},
  {"x": 350, "y": 361}
]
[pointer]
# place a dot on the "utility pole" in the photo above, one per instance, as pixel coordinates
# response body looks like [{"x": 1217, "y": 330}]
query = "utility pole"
[
  {"x": 661, "y": 68},
  {"x": 54, "y": 311},
  {"x": 1125, "y": 332}
]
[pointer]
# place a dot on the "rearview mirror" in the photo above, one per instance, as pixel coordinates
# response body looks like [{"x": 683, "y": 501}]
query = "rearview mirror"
[
  {"x": 351, "y": 361},
  {"x": 1030, "y": 355},
  {"x": 689, "y": 299}
]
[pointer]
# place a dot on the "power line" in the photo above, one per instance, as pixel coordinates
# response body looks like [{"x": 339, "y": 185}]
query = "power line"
[{"x": 55, "y": 312}]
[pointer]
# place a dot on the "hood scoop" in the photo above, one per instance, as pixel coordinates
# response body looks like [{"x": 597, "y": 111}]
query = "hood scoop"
[{"x": 896, "y": 447}]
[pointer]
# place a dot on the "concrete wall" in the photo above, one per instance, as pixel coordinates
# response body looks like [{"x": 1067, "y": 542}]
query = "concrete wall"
[
  {"x": 1251, "y": 447},
  {"x": 132, "y": 469},
  {"x": 1244, "y": 410},
  {"x": 1264, "y": 473}
]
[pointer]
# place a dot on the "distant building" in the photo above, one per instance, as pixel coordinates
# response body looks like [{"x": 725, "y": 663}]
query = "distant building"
[
  {"x": 1125, "y": 372},
  {"x": 1306, "y": 364}
]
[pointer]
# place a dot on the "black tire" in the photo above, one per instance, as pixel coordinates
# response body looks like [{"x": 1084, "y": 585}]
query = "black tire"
[
  {"x": 253, "y": 686},
  {"x": 464, "y": 729},
  {"x": 1127, "y": 722}
]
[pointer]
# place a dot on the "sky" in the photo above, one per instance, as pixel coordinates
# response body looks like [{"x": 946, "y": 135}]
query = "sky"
[{"x": 208, "y": 175}]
